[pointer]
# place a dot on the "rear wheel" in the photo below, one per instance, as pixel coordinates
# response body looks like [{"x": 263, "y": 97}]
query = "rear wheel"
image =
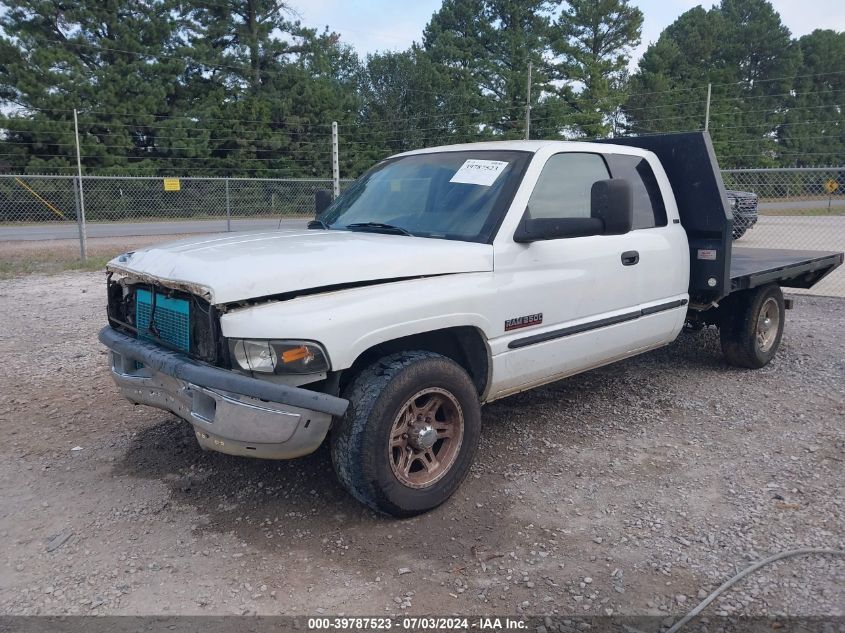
[
  {"x": 410, "y": 434},
  {"x": 752, "y": 327}
]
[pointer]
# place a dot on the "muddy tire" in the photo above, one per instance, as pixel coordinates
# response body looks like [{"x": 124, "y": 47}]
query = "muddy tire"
[
  {"x": 410, "y": 433},
  {"x": 752, "y": 327}
]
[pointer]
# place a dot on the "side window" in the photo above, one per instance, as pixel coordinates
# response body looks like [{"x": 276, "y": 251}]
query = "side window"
[
  {"x": 563, "y": 189},
  {"x": 649, "y": 210}
]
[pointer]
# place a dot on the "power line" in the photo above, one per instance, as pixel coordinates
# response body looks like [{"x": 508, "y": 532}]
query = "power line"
[
  {"x": 436, "y": 93},
  {"x": 162, "y": 121},
  {"x": 163, "y": 138},
  {"x": 715, "y": 114},
  {"x": 786, "y": 78},
  {"x": 793, "y": 94},
  {"x": 777, "y": 139},
  {"x": 291, "y": 126}
]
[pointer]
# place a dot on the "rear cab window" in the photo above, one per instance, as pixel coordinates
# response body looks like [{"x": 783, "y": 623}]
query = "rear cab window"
[{"x": 649, "y": 209}]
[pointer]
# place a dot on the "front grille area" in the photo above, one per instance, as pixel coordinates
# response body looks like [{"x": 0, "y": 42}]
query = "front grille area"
[
  {"x": 183, "y": 322},
  {"x": 746, "y": 204},
  {"x": 168, "y": 320}
]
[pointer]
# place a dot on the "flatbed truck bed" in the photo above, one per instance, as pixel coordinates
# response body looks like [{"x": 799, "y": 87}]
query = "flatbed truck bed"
[
  {"x": 718, "y": 270},
  {"x": 753, "y": 267}
]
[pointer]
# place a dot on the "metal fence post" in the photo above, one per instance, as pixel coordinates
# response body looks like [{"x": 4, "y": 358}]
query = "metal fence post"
[
  {"x": 335, "y": 165},
  {"x": 80, "y": 199},
  {"x": 528, "y": 106},
  {"x": 228, "y": 208}
]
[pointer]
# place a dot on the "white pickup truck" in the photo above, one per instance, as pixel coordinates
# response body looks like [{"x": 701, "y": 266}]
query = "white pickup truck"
[{"x": 440, "y": 280}]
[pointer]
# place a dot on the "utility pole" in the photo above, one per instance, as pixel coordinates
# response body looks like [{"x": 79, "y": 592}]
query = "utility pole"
[
  {"x": 335, "y": 165},
  {"x": 80, "y": 214},
  {"x": 707, "y": 110},
  {"x": 528, "y": 106}
]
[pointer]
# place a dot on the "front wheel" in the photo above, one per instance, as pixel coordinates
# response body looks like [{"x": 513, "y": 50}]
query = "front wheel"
[
  {"x": 409, "y": 436},
  {"x": 752, "y": 327}
]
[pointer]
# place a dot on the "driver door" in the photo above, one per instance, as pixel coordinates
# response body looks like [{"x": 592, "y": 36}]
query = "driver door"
[{"x": 584, "y": 289}]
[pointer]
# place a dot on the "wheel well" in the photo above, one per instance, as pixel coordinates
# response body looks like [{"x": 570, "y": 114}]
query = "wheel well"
[{"x": 465, "y": 345}]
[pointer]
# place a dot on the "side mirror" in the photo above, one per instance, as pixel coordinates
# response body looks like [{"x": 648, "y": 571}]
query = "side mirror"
[
  {"x": 611, "y": 213},
  {"x": 612, "y": 202},
  {"x": 322, "y": 200},
  {"x": 538, "y": 229}
]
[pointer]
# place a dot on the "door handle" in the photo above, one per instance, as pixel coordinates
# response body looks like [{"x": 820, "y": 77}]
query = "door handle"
[{"x": 629, "y": 258}]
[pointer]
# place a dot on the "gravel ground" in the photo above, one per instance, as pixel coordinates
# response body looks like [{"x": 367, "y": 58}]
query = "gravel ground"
[{"x": 633, "y": 490}]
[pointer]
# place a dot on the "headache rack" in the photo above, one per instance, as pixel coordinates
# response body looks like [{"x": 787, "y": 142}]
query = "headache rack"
[{"x": 174, "y": 319}]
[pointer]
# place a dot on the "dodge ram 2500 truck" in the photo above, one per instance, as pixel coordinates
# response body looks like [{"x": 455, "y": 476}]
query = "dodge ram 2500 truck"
[{"x": 440, "y": 280}]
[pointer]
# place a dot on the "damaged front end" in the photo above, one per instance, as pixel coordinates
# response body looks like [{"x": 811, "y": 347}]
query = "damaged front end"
[
  {"x": 167, "y": 351},
  {"x": 174, "y": 318}
]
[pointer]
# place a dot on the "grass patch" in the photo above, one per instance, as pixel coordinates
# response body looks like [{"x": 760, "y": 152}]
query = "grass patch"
[
  {"x": 14, "y": 267},
  {"x": 236, "y": 219},
  {"x": 824, "y": 211},
  {"x": 25, "y": 257},
  {"x": 89, "y": 265}
]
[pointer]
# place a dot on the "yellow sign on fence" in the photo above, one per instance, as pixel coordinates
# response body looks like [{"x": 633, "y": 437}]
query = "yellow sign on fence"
[
  {"x": 831, "y": 185},
  {"x": 172, "y": 184}
]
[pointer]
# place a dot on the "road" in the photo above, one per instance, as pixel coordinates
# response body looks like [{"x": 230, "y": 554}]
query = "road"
[{"x": 69, "y": 230}]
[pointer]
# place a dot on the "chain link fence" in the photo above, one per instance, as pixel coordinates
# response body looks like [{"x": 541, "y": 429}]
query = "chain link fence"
[
  {"x": 35, "y": 199},
  {"x": 786, "y": 186},
  {"x": 799, "y": 208}
]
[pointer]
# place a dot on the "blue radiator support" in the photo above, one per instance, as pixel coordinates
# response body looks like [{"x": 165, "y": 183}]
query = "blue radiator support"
[{"x": 172, "y": 319}]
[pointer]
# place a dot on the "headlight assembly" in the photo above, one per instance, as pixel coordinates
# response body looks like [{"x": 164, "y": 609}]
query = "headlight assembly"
[{"x": 279, "y": 357}]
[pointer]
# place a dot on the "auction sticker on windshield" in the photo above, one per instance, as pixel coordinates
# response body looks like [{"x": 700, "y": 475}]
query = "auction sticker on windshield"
[{"x": 479, "y": 172}]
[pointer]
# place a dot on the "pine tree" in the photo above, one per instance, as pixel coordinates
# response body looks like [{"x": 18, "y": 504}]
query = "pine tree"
[
  {"x": 275, "y": 87},
  {"x": 112, "y": 60},
  {"x": 813, "y": 130},
  {"x": 742, "y": 49},
  {"x": 593, "y": 39},
  {"x": 484, "y": 46}
]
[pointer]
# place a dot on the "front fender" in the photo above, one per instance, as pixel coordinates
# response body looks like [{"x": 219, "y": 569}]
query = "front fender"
[{"x": 348, "y": 322}]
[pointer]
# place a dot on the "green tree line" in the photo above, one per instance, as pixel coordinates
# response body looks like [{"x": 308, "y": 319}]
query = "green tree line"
[{"x": 242, "y": 87}]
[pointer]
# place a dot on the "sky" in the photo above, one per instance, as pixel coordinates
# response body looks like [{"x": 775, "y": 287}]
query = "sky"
[{"x": 377, "y": 25}]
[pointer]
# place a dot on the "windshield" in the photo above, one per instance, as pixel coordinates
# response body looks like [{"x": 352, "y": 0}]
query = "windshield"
[{"x": 450, "y": 195}]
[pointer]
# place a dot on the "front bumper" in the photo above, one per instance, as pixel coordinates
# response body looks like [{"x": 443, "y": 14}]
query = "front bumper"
[
  {"x": 230, "y": 412},
  {"x": 745, "y": 219}
]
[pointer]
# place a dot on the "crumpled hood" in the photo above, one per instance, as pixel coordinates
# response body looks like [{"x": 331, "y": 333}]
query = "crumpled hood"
[{"x": 238, "y": 266}]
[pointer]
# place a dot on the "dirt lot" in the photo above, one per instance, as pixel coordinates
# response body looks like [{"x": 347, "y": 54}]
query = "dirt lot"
[{"x": 632, "y": 490}]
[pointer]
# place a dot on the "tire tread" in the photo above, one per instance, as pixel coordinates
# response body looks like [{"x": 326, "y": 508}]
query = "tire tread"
[
  {"x": 737, "y": 332},
  {"x": 349, "y": 437}
]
